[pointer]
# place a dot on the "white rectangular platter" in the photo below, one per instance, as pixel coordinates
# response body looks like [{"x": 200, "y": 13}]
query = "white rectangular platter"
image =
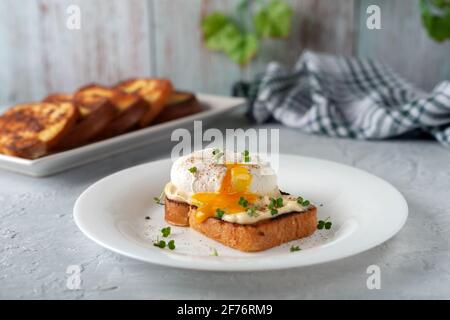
[{"x": 215, "y": 106}]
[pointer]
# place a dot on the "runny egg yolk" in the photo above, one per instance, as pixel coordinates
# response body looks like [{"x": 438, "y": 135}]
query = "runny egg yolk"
[{"x": 235, "y": 184}]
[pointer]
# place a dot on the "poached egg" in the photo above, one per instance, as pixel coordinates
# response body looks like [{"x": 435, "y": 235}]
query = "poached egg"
[{"x": 234, "y": 187}]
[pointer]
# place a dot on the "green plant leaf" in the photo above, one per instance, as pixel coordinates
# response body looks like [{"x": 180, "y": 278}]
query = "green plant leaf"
[
  {"x": 273, "y": 20},
  {"x": 212, "y": 23},
  {"x": 436, "y": 18},
  {"x": 219, "y": 31},
  {"x": 222, "y": 34},
  {"x": 243, "y": 50}
]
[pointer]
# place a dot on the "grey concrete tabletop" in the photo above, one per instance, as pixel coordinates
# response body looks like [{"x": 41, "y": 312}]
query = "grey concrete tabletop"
[{"x": 39, "y": 239}]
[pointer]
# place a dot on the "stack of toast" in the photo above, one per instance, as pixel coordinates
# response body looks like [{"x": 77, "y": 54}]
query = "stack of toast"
[{"x": 64, "y": 121}]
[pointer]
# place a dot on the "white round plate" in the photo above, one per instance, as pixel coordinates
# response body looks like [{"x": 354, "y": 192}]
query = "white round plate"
[{"x": 364, "y": 209}]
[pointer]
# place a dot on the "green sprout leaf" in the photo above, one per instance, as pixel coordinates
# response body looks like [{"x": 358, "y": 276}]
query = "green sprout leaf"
[
  {"x": 158, "y": 200},
  {"x": 279, "y": 202},
  {"x": 273, "y": 20},
  {"x": 165, "y": 232},
  {"x": 436, "y": 18},
  {"x": 243, "y": 202},
  {"x": 193, "y": 170},
  {"x": 252, "y": 212},
  {"x": 171, "y": 244},
  {"x": 324, "y": 224},
  {"x": 160, "y": 244},
  {"x": 219, "y": 213}
]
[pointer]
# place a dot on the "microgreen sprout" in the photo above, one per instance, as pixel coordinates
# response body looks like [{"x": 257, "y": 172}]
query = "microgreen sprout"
[
  {"x": 252, "y": 212},
  {"x": 243, "y": 202},
  {"x": 246, "y": 155},
  {"x": 324, "y": 224},
  {"x": 158, "y": 200},
  {"x": 193, "y": 170},
  {"x": 303, "y": 202},
  {"x": 165, "y": 232},
  {"x": 214, "y": 252},
  {"x": 217, "y": 154},
  {"x": 219, "y": 213},
  {"x": 160, "y": 244},
  {"x": 279, "y": 202}
]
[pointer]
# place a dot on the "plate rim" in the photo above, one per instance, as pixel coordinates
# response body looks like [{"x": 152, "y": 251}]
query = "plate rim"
[{"x": 215, "y": 266}]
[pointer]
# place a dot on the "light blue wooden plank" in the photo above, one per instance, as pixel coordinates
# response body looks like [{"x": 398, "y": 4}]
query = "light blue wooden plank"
[
  {"x": 403, "y": 43},
  {"x": 40, "y": 55},
  {"x": 325, "y": 26},
  {"x": 180, "y": 53}
]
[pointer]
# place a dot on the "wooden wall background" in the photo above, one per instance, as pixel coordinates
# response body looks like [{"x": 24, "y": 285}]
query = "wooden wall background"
[{"x": 121, "y": 39}]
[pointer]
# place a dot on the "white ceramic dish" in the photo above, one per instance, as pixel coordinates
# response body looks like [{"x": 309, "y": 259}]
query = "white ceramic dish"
[
  {"x": 365, "y": 211},
  {"x": 215, "y": 106}
]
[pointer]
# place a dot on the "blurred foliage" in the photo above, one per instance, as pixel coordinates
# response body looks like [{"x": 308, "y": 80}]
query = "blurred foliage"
[
  {"x": 436, "y": 18},
  {"x": 240, "y": 42},
  {"x": 273, "y": 20}
]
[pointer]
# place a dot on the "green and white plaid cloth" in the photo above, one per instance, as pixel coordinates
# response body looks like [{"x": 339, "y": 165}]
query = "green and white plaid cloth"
[{"x": 348, "y": 97}]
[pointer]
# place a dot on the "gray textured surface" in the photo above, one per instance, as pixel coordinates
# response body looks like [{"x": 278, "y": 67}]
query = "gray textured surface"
[{"x": 38, "y": 238}]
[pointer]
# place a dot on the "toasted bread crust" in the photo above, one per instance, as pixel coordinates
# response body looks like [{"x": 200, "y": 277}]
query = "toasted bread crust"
[
  {"x": 155, "y": 91},
  {"x": 130, "y": 107},
  {"x": 96, "y": 113},
  {"x": 31, "y": 130},
  {"x": 126, "y": 120},
  {"x": 59, "y": 97},
  {"x": 180, "y": 104},
  {"x": 177, "y": 213},
  {"x": 91, "y": 126},
  {"x": 260, "y": 236}
]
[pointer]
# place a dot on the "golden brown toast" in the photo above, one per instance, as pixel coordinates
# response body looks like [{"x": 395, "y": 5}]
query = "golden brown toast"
[
  {"x": 177, "y": 213},
  {"x": 130, "y": 108},
  {"x": 260, "y": 236},
  {"x": 96, "y": 113},
  {"x": 153, "y": 90},
  {"x": 180, "y": 104},
  {"x": 59, "y": 97},
  {"x": 31, "y": 130}
]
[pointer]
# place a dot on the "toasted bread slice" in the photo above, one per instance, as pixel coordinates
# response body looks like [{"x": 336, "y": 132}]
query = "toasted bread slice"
[
  {"x": 130, "y": 110},
  {"x": 96, "y": 113},
  {"x": 180, "y": 104},
  {"x": 59, "y": 97},
  {"x": 177, "y": 213},
  {"x": 153, "y": 90},
  {"x": 31, "y": 130},
  {"x": 260, "y": 236},
  {"x": 90, "y": 127}
]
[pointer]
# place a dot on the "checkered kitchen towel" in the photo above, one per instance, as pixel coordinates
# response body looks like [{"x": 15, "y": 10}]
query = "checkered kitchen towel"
[{"x": 347, "y": 97}]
